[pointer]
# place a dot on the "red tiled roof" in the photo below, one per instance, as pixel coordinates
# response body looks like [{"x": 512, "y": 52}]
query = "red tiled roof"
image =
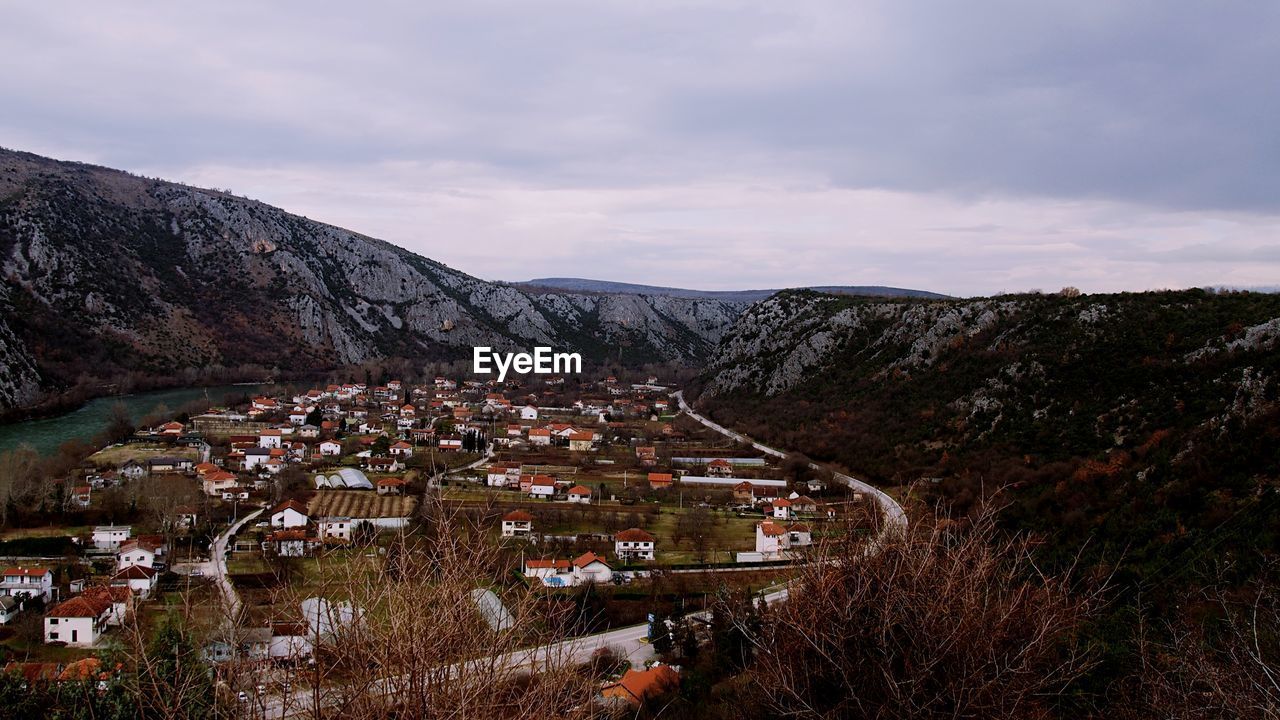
[
  {"x": 633, "y": 535},
  {"x": 517, "y": 516},
  {"x": 80, "y": 607},
  {"x": 637, "y": 686},
  {"x": 543, "y": 564}
]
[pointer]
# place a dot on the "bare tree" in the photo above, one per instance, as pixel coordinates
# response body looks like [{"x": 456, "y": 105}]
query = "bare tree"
[{"x": 948, "y": 620}]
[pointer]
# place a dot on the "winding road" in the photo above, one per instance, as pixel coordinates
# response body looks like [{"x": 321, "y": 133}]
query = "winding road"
[{"x": 629, "y": 641}]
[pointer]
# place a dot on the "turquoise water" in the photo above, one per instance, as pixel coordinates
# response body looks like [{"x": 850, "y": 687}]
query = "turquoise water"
[{"x": 46, "y": 434}]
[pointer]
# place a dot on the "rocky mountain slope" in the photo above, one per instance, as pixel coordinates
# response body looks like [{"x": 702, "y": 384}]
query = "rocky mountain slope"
[
  {"x": 1132, "y": 431},
  {"x": 106, "y": 272}
]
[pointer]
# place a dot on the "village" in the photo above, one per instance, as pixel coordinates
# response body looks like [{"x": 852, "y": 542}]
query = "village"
[{"x": 252, "y": 507}]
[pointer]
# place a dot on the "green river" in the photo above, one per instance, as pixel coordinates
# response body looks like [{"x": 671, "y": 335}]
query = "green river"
[{"x": 46, "y": 434}]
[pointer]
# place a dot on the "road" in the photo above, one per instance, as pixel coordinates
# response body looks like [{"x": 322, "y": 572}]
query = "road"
[
  {"x": 894, "y": 515},
  {"x": 628, "y": 641},
  {"x": 215, "y": 568}
]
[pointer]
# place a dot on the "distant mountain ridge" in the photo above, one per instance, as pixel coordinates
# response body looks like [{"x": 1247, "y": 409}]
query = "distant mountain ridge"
[
  {"x": 104, "y": 273},
  {"x": 745, "y": 296}
]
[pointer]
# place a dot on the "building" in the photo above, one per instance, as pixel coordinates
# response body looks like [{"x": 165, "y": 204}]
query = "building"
[
  {"x": 781, "y": 509},
  {"x": 720, "y": 468},
  {"x": 640, "y": 686},
  {"x": 289, "y": 514},
  {"x": 539, "y": 436},
  {"x": 659, "y": 481},
  {"x": 634, "y": 544},
  {"x": 517, "y": 523},
  {"x": 110, "y": 537},
  {"x": 391, "y": 486},
  {"x": 25, "y": 582},
  {"x": 542, "y": 487},
  {"x": 137, "y": 578},
  {"x": 290, "y": 543},
  {"x": 78, "y": 622},
  {"x": 136, "y": 553},
  {"x": 580, "y": 494},
  {"x": 338, "y": 528},
  {"x": 775, "y": 541},
  {"x": 528, "y": 412},
  {"x": 590, "y": 567}
]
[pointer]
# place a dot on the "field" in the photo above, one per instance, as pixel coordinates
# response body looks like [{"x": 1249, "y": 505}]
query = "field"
[
  {"x": 117, "y": 455},
  {"x": 360, "y": 504}
]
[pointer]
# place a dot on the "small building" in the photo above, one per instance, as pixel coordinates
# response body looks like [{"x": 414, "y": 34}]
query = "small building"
[
  {"x": 329, "y": 448},
  {"x": 136, "y": 553},
  {"x": 640, "y": 686},
  {"x": 78, "y": 622},
  {"x": 290, "y": 543},
  {"x": 580, "y": 494},
  {"x": 289, "y": 514},
  {"x": 137, "y": 578},
  {"x": 582, "y": 441},
  {"x": 25, "y": 582},
  {"x": 110, "y": 537},
  {"x": 720, "y": 468},
  {"x": 391, "y": 486},
  {"x": 634, "y": 544},
  {"x": 539, "y": 436},
  {"x": 338, "y": 528},
  {"x": 517, "y": 523},
  {"x": 542, "y": 487},
  {"x": 659, "y": 481},
  {"x": 528, "y": 412}
]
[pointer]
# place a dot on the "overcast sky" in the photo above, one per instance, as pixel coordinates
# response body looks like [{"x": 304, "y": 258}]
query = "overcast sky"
[{"x": 966, "y": 148}]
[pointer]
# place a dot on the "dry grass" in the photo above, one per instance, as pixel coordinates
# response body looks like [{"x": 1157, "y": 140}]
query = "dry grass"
[{"x": 360, "y": 504}]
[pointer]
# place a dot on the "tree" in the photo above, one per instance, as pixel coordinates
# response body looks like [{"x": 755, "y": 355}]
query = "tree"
[
  {"x": 660, "y": 635},
  {"x": 119, "y": 424}
]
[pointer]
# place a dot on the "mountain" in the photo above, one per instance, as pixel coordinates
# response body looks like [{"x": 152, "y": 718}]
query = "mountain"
[
  {"x": 743, "y": 296},
  {"x": 106, "y": 273},
  {"x": 1127, "y": 428}
]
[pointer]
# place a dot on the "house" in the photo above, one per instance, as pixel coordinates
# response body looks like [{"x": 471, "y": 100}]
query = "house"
[
  {"x": 590, "y": 567},
  {"x": 542, "y": 487},
  {"x": 500, "y": 475},
  {"x": 640, "y": 686},
  {"x": 166, "y": 464},
  {"x": 720, "y": 468},
  {"x": 803, "y": 504},
  {"x": 579, "y": 494},
  {"x": 659, "y": 481},
  {"x": 552, "y": 573},
  {"x": 110, "y": 537},
  {"x": 289, "y": 640},
  {"x": 517, "y": 523},
  {"x": 297, "y": 416},
  {"x": 391, "y": 486},
  {"x": 539, "y": 436},
  {"x": 137, "y": 578},
  {"x": 450, "y": 444},
  {"x": 132, "y": 470},
  {"x": 136, "y": 553},
  {"x": 582, "y": 441},
  {"x": 382, "y": 464},
  {"x": 217, "y": 481},
  {"x": 170, "y": 428},
  {"x": 775, "y": 540},
  {"x": 647, "y": 455},
  {"x": 81, "y": 496},
  {"x": 236, "y": 492},
  {"x": 748, "y": 492},
  {"x": 254, "y": 457},
  {"x": 290, "y": 543},
  {"x": 402, "y": 450},
  {"x": 781, "y": 509},
  {"x": 329, "y": 448},
  {"x": 633, "y": 544},
  {"x": 120, "y": 598},
  {"x": 528, "y": 412},
  {"x": 24, "y": 582},
  {"x": 338, "y": 528},
  {"x": 289, "y": 514},
  {"x": 78, "y": 622},
  {"x": 269, "y": 439}
]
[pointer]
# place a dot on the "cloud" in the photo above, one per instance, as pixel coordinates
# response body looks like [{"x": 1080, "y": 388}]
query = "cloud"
[{"x": 966, "y": 147}]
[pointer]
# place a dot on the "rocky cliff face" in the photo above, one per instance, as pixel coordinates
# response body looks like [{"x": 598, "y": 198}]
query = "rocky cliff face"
[
  {"x": 891, "y": 385},
  {"x": 107, "y": 272}
]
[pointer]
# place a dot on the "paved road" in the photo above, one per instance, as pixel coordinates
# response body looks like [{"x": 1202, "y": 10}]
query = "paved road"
[
  {"x": 894, "y": 515},
  {"x": 629, "y": 641},
  {"x": 216, "y": 567}
]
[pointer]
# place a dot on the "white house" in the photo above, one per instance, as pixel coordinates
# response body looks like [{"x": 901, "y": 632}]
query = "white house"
[
  {"x": 775, "y": 541},
  {"x": 289, "y": 640},
  {"x": 499, "y": 475},
  {"x": 78, "y": 622},
  {"x": 580, "y": 494},
  {"x": 633, "y": 544},
  {"x": 137, "y": 578},
  {"x": 517, "y": 523},
  {"x": 120, "y": 598},
  {"x": 27, "y": 582},
  {"x": 402, "y": 450},
  {"x": 528, "y": 412},
  {"x": 135, "y": 553},
  {"x": 330, "y": 448},
  {"x": 782, "y": 509},
  {"x": 254, "y": 457},
  {"x": 539, "y": 436},
  {"x": 542, "y": 488},
  {"x": 335, "y": 527},
  {"x": 10, "y": 608},
  {"x": 592, "y": 568},
  {"x": 269, "y": 439},
  {"x": 110, "y": 537},
  {"x": 289, "y": 514}
]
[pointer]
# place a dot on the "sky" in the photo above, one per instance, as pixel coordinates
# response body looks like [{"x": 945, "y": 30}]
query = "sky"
[{"x": 966, "y": 148}]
